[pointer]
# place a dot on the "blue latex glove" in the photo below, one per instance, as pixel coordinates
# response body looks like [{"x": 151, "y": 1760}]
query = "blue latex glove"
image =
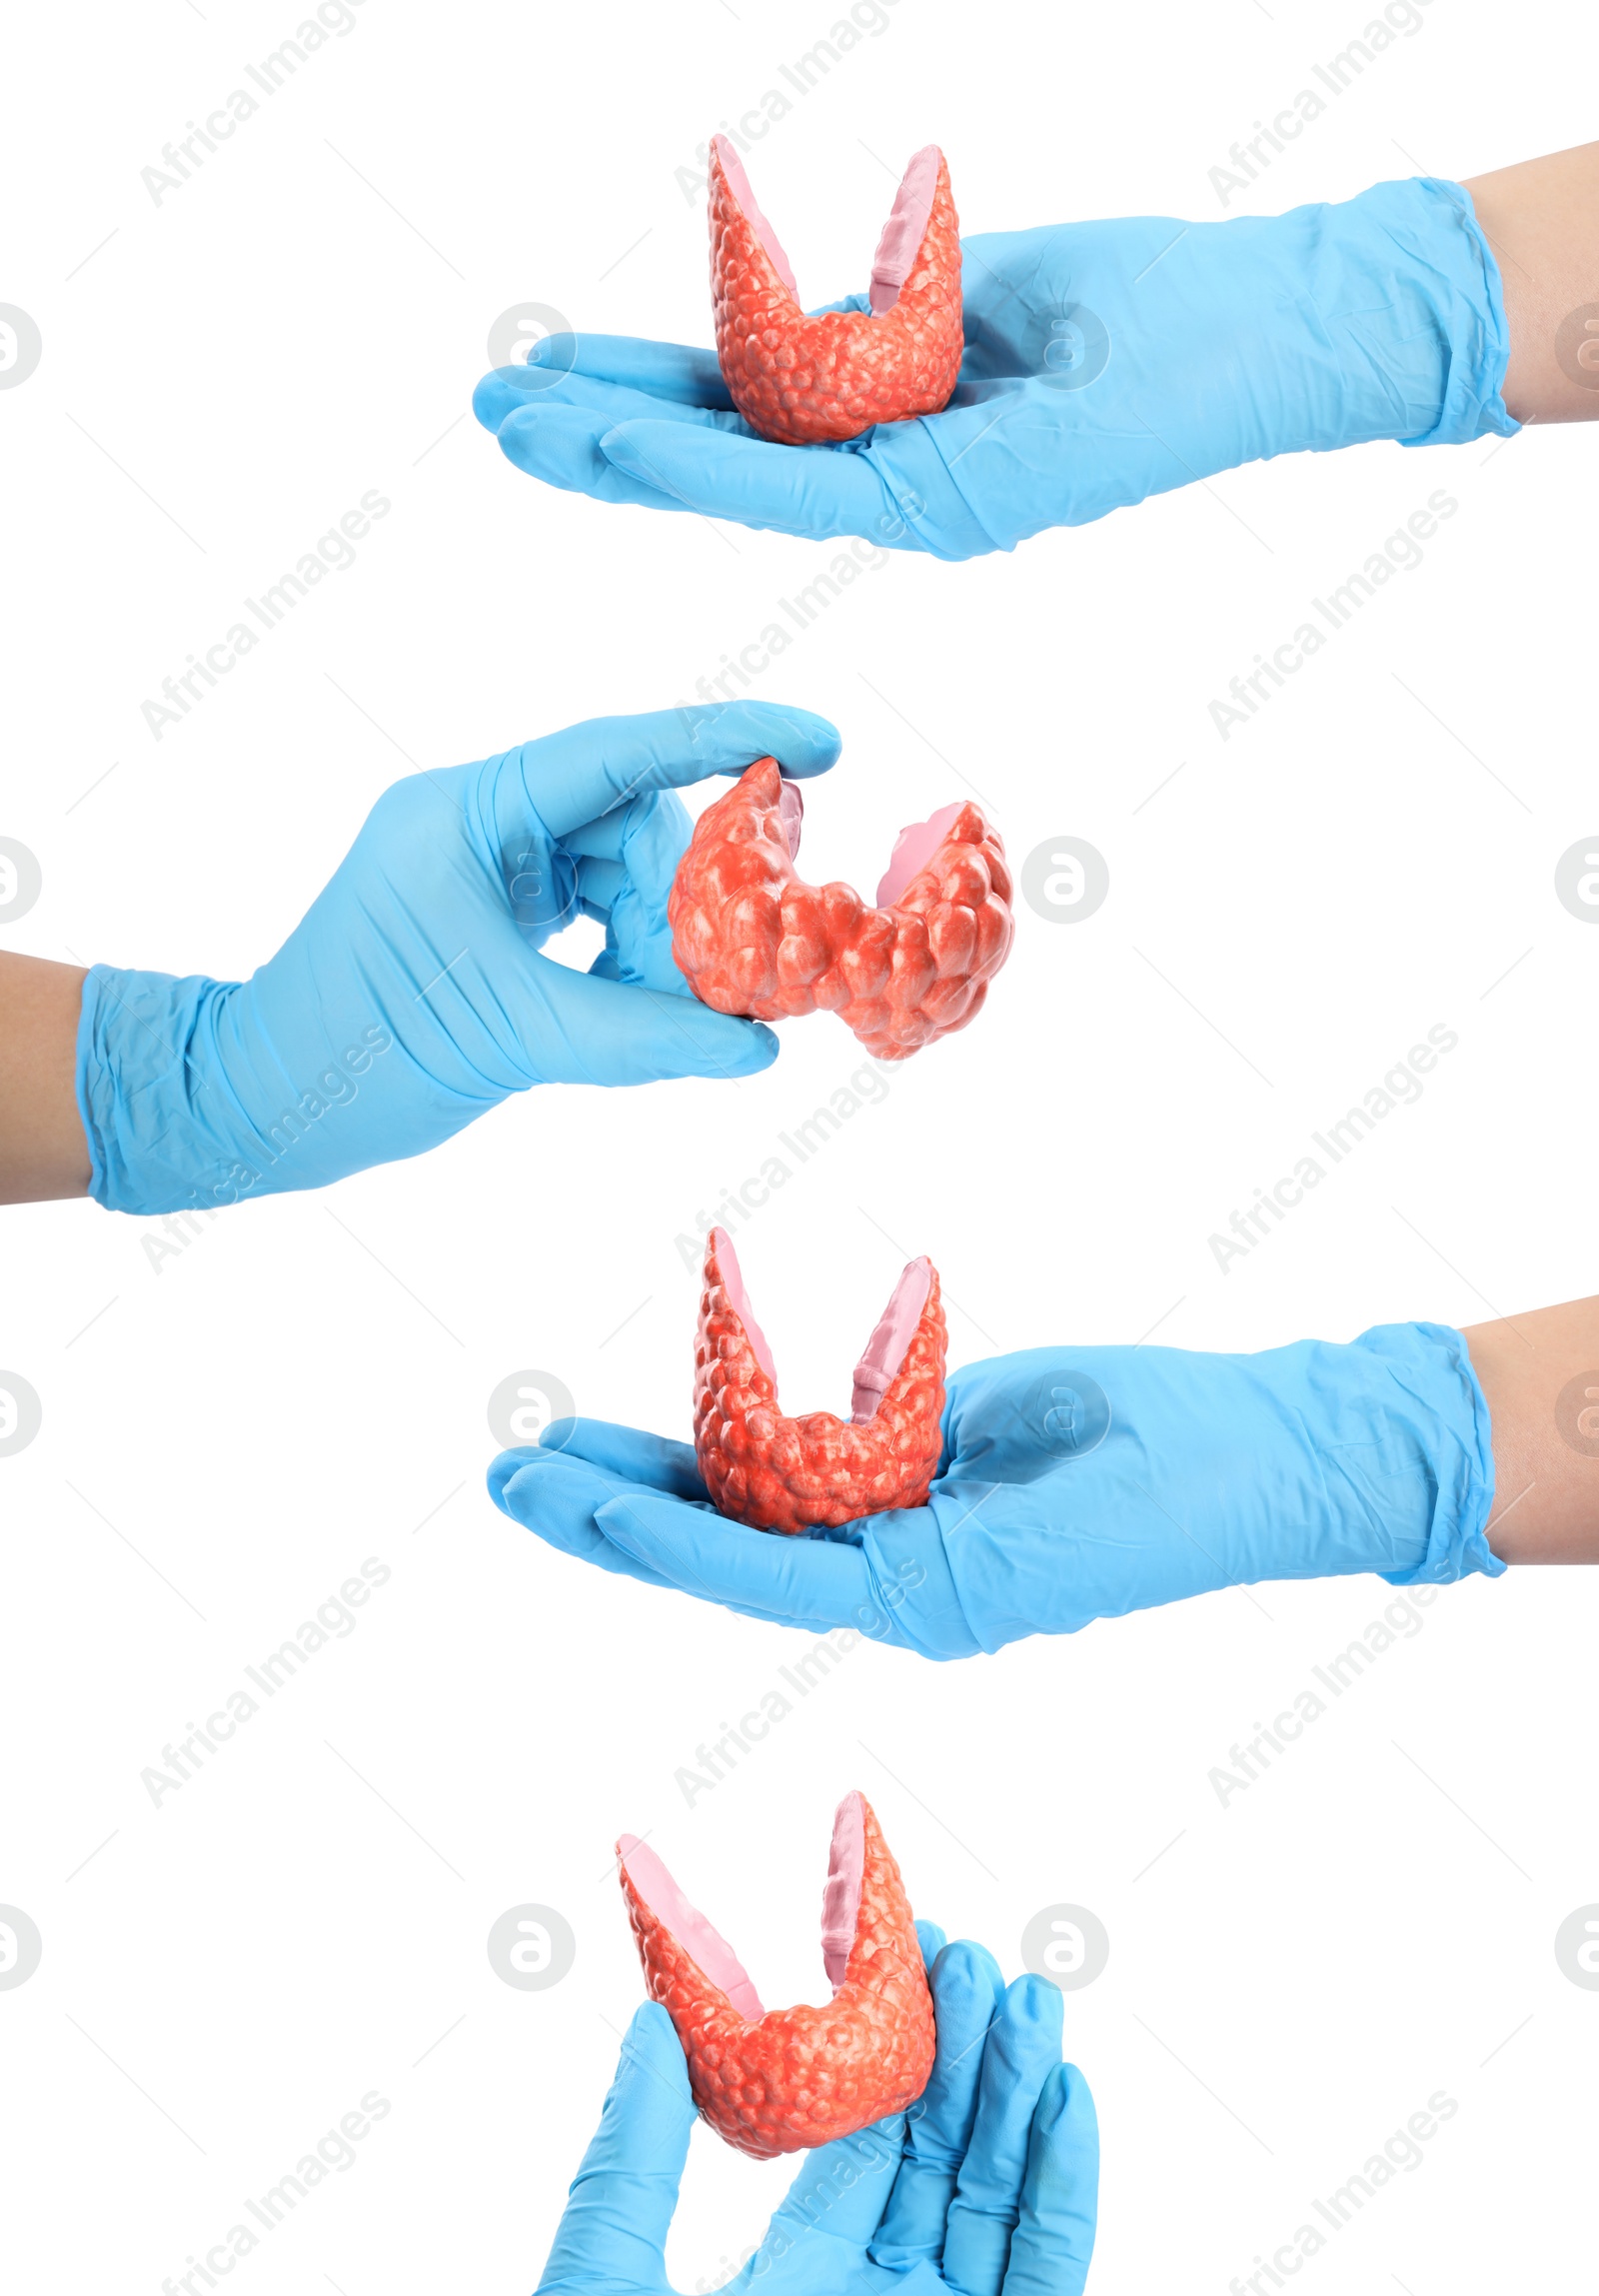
[
  {"x": 410, "y": 997},
  {"x": 1074, "y": 1485},
  {"x": 1104, "y": 361},
  {"x": 989, "y": 2183}
]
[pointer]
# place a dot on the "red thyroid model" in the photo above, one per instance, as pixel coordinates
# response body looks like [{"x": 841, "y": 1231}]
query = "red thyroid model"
[
  {"x": 787, "y": 1474},
  {"x": 800, "y": 381},
  {"x": 750, "y": 937},
  {"x": 782, "y": 2080}
]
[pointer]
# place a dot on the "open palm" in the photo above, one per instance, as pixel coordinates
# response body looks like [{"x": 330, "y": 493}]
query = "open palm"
[
  {"x": 1075, "y": 1483},
  {"x": 1104, "y": 361}
]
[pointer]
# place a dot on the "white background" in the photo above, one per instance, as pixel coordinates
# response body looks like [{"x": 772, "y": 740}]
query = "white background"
[{"x": 305, "y": 1386}]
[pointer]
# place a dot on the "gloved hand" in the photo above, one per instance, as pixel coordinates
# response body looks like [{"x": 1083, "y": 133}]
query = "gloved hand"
[
  {"x": 1104, "y": 361},
  {"x": 988, "y": 2184},
  {"x": 410, "y": 996},
  {"x": 1074, "y": 1485}
]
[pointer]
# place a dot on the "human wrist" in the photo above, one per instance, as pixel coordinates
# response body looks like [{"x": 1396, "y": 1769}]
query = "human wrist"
[
  {"x": 43, "y": 1154},
  {"x": 1536, "y": 1370},
  {"x": 1542, "y": 217}
]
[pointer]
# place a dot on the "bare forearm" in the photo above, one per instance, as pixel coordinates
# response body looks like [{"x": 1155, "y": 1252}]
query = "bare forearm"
[
  {"x": 1540, "y": 1375},
  {"x": 1542, "y": 221},
  {"x": 42, "y": 1149}
]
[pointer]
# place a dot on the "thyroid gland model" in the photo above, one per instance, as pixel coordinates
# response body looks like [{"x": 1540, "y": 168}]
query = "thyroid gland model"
[
  {"x": 750, "y": 937},
  {"x": 772, "y": 2081},
  {"x": 802, "y": 381},
  {"x": 777, "y": 1473}
]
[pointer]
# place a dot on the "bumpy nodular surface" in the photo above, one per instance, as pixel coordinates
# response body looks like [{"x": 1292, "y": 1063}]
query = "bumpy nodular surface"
[
  {"x": 750, "y": 937},
  {"x": 783, "y": 1475},
  {"x": 802, "y": 379},
  {"x": 784, "y": 2080}
]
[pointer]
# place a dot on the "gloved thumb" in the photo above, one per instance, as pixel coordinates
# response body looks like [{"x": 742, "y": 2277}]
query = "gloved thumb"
[{"x": 622, "y": 2201}]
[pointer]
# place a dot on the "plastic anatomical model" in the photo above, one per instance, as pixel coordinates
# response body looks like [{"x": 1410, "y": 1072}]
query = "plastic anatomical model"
[
  {"x": 782, "y": 2080},
  {"x": 801, "y": 379},
  {"x": 777, "y": 1473},
  {"x": 750, "y": 937}
]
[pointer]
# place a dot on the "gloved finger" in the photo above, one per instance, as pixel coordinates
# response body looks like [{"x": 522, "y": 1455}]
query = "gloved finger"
[
  {"x": 815, "y": 491},
  {"x": 622, "y": 2201},
  {"x": 601, "y": 840},
  {"x": 676, "y": 370},
  {"x": 537, "y": 387},
  {"x": 801, "y": 1581},
  {"x": 558, "y": 1507},
  {"x": 561, "y": 782},
  {"x": 571, "y": 1510},
  {"x": 581, "y": 1029},
  {"x": 630, "y": 1453},
  {"x": 532, "y": 390},
  {"x": 966, "y": 1991},
  {"x": 653, "y": 835},
  {"x": 1052, "y": 2244},
  {"x": 843, "y": 2187},
  {"x": 637, "y": 947},
  {"x": 615, "y": 836},
  {"x": 675, "y": 373},
  {"x": 931, "y": 1939},
  {"x": 630, "y": 895},
  {"x": 599, "y": 882},
  {"x": 626, "y": 866},
  {"x": 1022, "y": 2049},
  {"x": 560, "y": 444}
]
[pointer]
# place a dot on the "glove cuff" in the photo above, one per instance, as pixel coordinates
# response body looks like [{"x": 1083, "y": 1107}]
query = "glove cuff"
[
  {"x": 1391, "y": 321},
  {"x": 1453, "y": 280},
  {"x": 187, "y": 1106},
  {"x": 1461, "y": 1450},
  {"x": 161, "y": 1123}
]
